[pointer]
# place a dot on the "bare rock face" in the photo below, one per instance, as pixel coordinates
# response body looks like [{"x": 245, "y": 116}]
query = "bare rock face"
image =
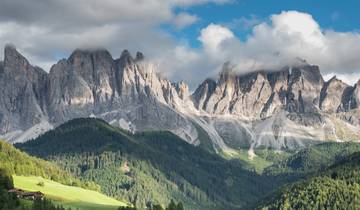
[
  {"x": 126, "y": 92},
  {"x": 261, "y": 94},
  {"x": 285, "y": 109},
  {"x": 202, "y": 93},
  {"x": 331, "y": 95},
  {"x": 23, "y": 92},
  {"x": 355, "y": 97},
  {"x": 305, "y": 84},
  {"x": 243, "y": 96}
]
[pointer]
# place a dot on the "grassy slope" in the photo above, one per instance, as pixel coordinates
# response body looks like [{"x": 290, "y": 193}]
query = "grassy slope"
[
  {"x": 67, "y": 195},
  {"x": 20, "y": 163},
  {"x": 33, "y": 169},
  {"x": 256, "y": 163}
]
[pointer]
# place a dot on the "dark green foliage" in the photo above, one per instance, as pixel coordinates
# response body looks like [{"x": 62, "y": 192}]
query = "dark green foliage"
[
  {"x": 6, "y": 180},
  {"x": 157, "y": 207},
  {"x": 314, "y": 159},
  {"x": 127, "y": 208},
  {"x": 41, "y": 184},
  {"x": 273, "y": 156},
  {"x": 45, "y": 204},
  {"x": 7, "y": 200},
  {"x": 174, "y": 206},
  {"x": 16, "y": 162},
  {"x": 336, "y": 188},
  {"x": 162, "y": 166}
]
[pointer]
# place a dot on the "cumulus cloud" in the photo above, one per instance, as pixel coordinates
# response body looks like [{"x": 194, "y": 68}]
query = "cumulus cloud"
[
  {"x": 83, "y": 13},
  {"x": 184, "y": 19},
  {"x": 280, "y": 41},
  {"x": 45, "y": 30},
  {"x": 213, "y": 36}
]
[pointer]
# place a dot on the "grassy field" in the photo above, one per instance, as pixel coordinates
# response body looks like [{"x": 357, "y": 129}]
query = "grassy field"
[
  {"x": 257, "y": 162},
  {"x": 263, "y": 158},
  {"x": 68, "y": 196}
]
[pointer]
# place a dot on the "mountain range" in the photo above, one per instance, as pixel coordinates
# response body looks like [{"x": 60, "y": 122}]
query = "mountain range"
[{"x": 285, "y": 109}]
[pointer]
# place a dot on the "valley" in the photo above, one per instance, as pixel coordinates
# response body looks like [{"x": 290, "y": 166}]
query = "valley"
[
  {"x": 179, "y": 105},
  {"x": 134, "y": 138},
  {"x": 154, "y": 167}
]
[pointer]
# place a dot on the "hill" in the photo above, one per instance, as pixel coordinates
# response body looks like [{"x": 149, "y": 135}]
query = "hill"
[
  {"x": 336, "y": 188},
  {"x": 313, "y": 159},
  {"x": 150, "y": 167},
  {"x": 60, "y": 186},
  {"x": 16, "y": 162}
]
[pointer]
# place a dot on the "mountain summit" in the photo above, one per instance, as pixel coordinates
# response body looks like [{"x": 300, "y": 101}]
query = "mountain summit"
[{"x": 285, "y": 109}]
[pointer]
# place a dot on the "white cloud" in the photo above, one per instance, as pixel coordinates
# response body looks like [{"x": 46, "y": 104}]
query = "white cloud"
[
  {"x": 280, "y": 41},
  {"x": 116, "y": 25},
  {"x": 213, "y": 36},
  {"x": 42, "y": 30},
  {"x": 184, "y": 19}
]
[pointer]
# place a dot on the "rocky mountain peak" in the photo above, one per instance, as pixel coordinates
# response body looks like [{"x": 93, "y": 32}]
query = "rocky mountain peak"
[
  {"x": 310, "y": 73},
  {"x": 14, "y": 60},
  {"x": 203, "y": 93},
  {"x": 332, "y": 95},
  {"x": 132, "y": 95},
  {"x": 227, "y": 73},
  {"x": 23, "y": 97},
  {"x": 182, "y": 89},
  {"x": 126, "y": 58},
  {"x": 139, "y": 56},
  {"x": 89, "y": 52},
  {"x": 10, "y": 51}
]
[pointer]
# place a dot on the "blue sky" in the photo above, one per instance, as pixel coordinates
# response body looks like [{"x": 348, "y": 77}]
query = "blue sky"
[{"x": 330, "y": 14}]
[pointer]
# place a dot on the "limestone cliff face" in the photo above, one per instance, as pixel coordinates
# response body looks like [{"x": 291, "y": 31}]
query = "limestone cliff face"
[
  {"x": 332, "y": 94},
  {"x": 284, "y": 109},
  {"x": 23, "y": 92},
  {"x": 126, "y": 91},
  {"x": 260, "y": 94}
]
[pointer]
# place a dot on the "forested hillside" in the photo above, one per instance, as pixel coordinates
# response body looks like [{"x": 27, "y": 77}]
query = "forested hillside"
[
  {"x": 149, "y": 168},
  {"x": 16, "y": 162},
  {"x": 336, "y": 188},
  {"x": 314, "y": 159}
]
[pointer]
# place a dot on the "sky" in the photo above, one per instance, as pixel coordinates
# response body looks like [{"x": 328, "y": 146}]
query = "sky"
[{"x": 191, "y": 39}]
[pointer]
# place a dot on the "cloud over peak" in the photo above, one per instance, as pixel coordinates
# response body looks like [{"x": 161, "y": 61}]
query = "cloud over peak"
[
  {"x": 282, "y": 39},
  {"x": 47, "y": 30}
]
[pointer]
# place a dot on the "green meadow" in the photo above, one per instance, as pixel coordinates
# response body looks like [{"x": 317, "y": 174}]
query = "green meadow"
[{"x": 68, "y": 196}]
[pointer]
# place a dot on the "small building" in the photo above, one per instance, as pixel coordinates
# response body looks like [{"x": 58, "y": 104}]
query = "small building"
[{"x": 22, "y": 194}]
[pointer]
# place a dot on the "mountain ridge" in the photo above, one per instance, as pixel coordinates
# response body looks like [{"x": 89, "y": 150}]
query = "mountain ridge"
[{"x": 285, "y": 109}]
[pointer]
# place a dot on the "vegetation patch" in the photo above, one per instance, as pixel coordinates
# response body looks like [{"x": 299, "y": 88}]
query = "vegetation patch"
[{"x": 66, "y": 194}]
